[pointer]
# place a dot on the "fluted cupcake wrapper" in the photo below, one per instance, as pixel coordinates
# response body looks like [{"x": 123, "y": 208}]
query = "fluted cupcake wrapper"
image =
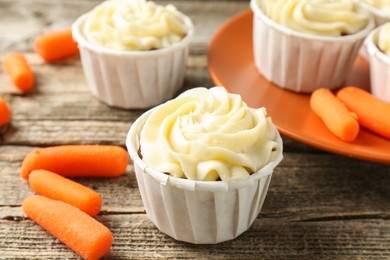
[
  {"x": 380, "y": 16},
  {"x": 132, "y": 79},
  {"x": 199, "y": 212},
  {"x": 302, "y": 62},
  {"x": 379, "y": 68}
]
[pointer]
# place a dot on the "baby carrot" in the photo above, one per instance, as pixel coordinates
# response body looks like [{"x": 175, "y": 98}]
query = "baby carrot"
[
  {"x": 56, "y": 187},
  {"x": 17, "y": 67},
  {"x": 373, "y": 113},
  {"x": 77, "y": 160},
  {"x": 334, "y": 114},
  {"x": 5, "y": 113},
  {"x": 56, "y": 45},
  {"x": 73, "y": 227}
]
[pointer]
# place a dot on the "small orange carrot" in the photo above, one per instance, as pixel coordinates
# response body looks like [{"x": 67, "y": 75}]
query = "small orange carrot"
[
  {"x": 77, "y": 161},
  {"x": 56, "y": 45},
  {"x": 17, "y": 67},
  {"x": 73, "y": 227},
  {"x": 334, "y": 114},
  {"x": 56, "y": 187},
  {"x": 5, "y": 113},
  {"x": 373, "y": 113}
]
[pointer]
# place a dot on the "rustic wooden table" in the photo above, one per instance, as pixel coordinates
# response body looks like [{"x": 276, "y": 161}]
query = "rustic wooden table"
[{"x": 319, "y": 205}]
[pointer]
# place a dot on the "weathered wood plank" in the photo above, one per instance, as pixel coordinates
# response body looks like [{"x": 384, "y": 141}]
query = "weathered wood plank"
[
  {"x": 66, "y": 95},
  {"x": 206, "y": 15},
  {"x": 135, "y": 237},
  {"x": 105, "y": 126},
  {"x": 56, "y": 101},
  {"x": 319, "y": 205},
  {"x": 303, "y": 187},
  {"x": 67, "y": 76},
  {"x": 46, "y": 133}
]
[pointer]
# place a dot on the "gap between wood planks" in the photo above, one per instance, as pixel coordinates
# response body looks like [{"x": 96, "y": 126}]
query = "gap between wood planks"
[{"x": 290, "y": 217}]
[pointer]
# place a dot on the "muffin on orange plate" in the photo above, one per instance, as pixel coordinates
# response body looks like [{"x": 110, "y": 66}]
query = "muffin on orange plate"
[
  {"x": 380, "y": 9},
  {"x": 203, "y": 163},
  {"x": 302, "y": 45},
  {"x": 378, "y": 49},
  {"x": 133, "y": 52}
]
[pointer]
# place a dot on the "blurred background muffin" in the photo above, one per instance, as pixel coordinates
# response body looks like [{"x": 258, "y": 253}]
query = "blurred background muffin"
[
  {"x": 133, "y": 52},
  {"x": 380, "y": 9},
  {"x": 378, "y": 48},
  {"x": 302, "y": 45}
]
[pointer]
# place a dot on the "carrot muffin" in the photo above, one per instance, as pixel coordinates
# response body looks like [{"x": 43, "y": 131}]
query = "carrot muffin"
[
  {"x": 378, "y": 48},
  {"x": 203, "y": 163},
  {"x": 302, "y": 45},
  {"x": 380, "y": 9},
  {"x": 133, "y": 52}
]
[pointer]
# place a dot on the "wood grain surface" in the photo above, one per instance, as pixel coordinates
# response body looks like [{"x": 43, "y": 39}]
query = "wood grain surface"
[{"x": 319, "y": 205}]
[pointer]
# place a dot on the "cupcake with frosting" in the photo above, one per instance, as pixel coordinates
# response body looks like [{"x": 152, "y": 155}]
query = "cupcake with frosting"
[
  {"x": 378, "y": 48},
  {"x": 203, "y": 163},
  {"x": 380, "y": 9},
  {"x": 302, "y": 45},
  {"x": 133, "y": 52}
]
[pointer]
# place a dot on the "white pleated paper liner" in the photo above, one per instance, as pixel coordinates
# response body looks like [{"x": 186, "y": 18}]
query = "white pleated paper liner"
[
  {"x": 199, "y": 212},
  {"x": 379, "y": 67},
  {"x": 380, "y": 16},
  {"x": 133, "y": 79},
  {"x": 302, "y": 62}
]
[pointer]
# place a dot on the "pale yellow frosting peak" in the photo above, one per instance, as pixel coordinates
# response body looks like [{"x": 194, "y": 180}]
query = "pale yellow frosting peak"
[
  {"x": 320, "y": 17},
  {"x": 135, "y": 25},
  {"x": 207, "y": 134}
]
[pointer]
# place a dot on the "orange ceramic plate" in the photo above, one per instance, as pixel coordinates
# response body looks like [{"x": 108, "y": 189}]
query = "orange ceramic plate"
[{"x": 231, "y": 65}]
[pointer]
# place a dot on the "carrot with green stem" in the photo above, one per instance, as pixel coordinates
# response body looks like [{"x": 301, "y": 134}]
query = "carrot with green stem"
[
  {"x": 54, "y": 186},
  {"x": 339, "y": 120},
  {"x": 77, "y": 161},
  {"x": 373, "y": 113},
  {"x": 56, "y": 45},
  {"x": 18, "y": 69},
  {"x": 5, "y": 113},
  {"x": 73, "y": 227}
]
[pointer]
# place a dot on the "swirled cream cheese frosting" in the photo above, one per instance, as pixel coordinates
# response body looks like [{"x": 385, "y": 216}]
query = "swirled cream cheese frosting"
[
  {"x": 380, "y": 4},
  {"x": 135, "y": 25},
  {"x": 320, "y": 17},
  {"x": 384, "y": 38},
  {"x": 207, "y": 134}
]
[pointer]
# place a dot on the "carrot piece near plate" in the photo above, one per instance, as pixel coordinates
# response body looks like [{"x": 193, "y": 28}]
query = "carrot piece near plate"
[
  {"x": 17, "y": 67},
  {"x": 56, "y": 45},
  {"x": 339, "y": 120},
  {"x": 73, "y": 227},
  {"x": 54, "y": 186},
  {"x": 5, "y": 113},
  {"x": 77, "y": 161},
  {"x": 373, "y": 113}
]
